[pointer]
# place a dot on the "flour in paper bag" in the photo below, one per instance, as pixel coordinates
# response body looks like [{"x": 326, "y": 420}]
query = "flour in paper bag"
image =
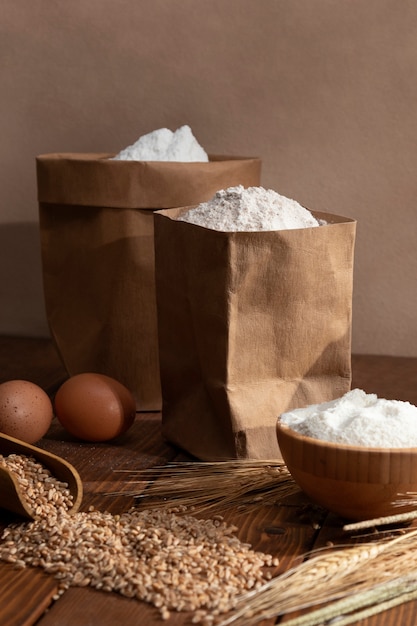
[
  {"x": 165, "y": 145},
  {"x": 250, "y": 209}
]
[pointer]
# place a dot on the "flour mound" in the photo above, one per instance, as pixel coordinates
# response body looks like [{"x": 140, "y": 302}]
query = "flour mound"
[
  {"x": 250, "y": 209},
  {"x": 359, "y": 419},
  {"x": 165, "y": 145}
]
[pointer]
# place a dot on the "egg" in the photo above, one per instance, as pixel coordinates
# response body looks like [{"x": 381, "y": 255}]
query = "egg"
[
  {"x": 26, "y": 410},
  {"x": 94, "y": 407}
]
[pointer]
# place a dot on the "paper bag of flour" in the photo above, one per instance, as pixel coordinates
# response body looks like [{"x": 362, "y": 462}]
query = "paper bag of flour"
[
  {"x": 251, "y": 324},
  {"x": 96, "y": 227}
]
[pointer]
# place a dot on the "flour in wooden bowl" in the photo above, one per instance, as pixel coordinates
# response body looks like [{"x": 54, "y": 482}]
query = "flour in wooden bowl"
[{"x": 358, "y": 419}]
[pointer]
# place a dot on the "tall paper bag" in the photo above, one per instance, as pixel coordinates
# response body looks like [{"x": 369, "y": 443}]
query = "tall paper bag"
[
  {"x": 96, "y": 227},
  {"x": 251, "y": 324}
]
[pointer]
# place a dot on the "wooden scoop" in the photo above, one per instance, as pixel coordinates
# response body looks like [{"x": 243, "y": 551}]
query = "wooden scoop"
[{"x": 11, "y": 496}]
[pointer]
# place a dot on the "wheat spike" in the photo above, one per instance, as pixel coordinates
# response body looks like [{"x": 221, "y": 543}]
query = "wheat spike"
[
  {"x": 399, "y": 518},
  {"x": 328, "y": 577},
  {"x": 205, "y": 485},
  {"x": 362, "y": 604}
]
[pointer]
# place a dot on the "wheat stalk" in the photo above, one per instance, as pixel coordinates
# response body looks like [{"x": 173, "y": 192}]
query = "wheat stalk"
[
  {"x": 328, "y": 577},
  {"x": 406, "y": 501},
  {"x": 399, "y": 518},
  {"x": 223, "y": 484},
  {"x": 361, "y": 605}
]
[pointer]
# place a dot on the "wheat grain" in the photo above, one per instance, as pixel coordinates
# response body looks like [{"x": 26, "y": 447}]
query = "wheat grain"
[
  {"x": 38, "y": 487},
  {"x": 165, "y": 557}
]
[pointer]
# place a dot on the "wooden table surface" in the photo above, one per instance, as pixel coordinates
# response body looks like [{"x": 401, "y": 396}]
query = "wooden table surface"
[{"x": 26, "y": 596}]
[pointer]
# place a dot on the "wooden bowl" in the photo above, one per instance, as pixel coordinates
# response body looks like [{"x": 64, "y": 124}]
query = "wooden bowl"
[{"x": 354, "y": 482}]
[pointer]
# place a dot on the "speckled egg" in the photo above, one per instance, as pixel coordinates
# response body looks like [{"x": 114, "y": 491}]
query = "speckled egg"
[
  {"x": 25, "y": 410},
  {"x": 94, "y": 407}
]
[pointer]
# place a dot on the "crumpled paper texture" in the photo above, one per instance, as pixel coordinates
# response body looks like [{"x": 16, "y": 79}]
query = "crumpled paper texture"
[{"x": 251, "y": 324}]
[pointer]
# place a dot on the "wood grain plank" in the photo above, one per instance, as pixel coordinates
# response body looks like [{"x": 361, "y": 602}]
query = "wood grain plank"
[
  {"x": 80, "y": 606},
  {"x": 25, "y": 594},
  {"x": 107, "y": 465}
]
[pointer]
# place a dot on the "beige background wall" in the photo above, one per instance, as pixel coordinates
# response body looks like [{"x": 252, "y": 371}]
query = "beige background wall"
[{"x": 325, "y": 91}]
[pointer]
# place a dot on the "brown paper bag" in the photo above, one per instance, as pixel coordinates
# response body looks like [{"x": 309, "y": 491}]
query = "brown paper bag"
[
  {"x": 96, "y": 225},
  {"x": 251, "y": 324}
]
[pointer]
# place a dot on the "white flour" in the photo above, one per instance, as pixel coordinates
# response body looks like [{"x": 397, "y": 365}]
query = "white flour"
[
  {"x": 165, "y": 145},
  {"x": 358, "y": 419},
  {"x": 250, "y": 209}
]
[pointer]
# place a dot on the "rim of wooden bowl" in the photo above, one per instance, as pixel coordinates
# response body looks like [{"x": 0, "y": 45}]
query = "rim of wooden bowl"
[{"x": 347, "y": 462}]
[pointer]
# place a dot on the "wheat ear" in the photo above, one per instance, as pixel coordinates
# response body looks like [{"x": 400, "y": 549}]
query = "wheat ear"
[
  {"x": 327, "y": 577},
  {"x": 207, "y": 485}
]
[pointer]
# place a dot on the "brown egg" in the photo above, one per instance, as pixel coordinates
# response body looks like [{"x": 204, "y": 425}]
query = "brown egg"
[
  {"x": 94, "y": 407},
  {"x": 25, "y": 410}
]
